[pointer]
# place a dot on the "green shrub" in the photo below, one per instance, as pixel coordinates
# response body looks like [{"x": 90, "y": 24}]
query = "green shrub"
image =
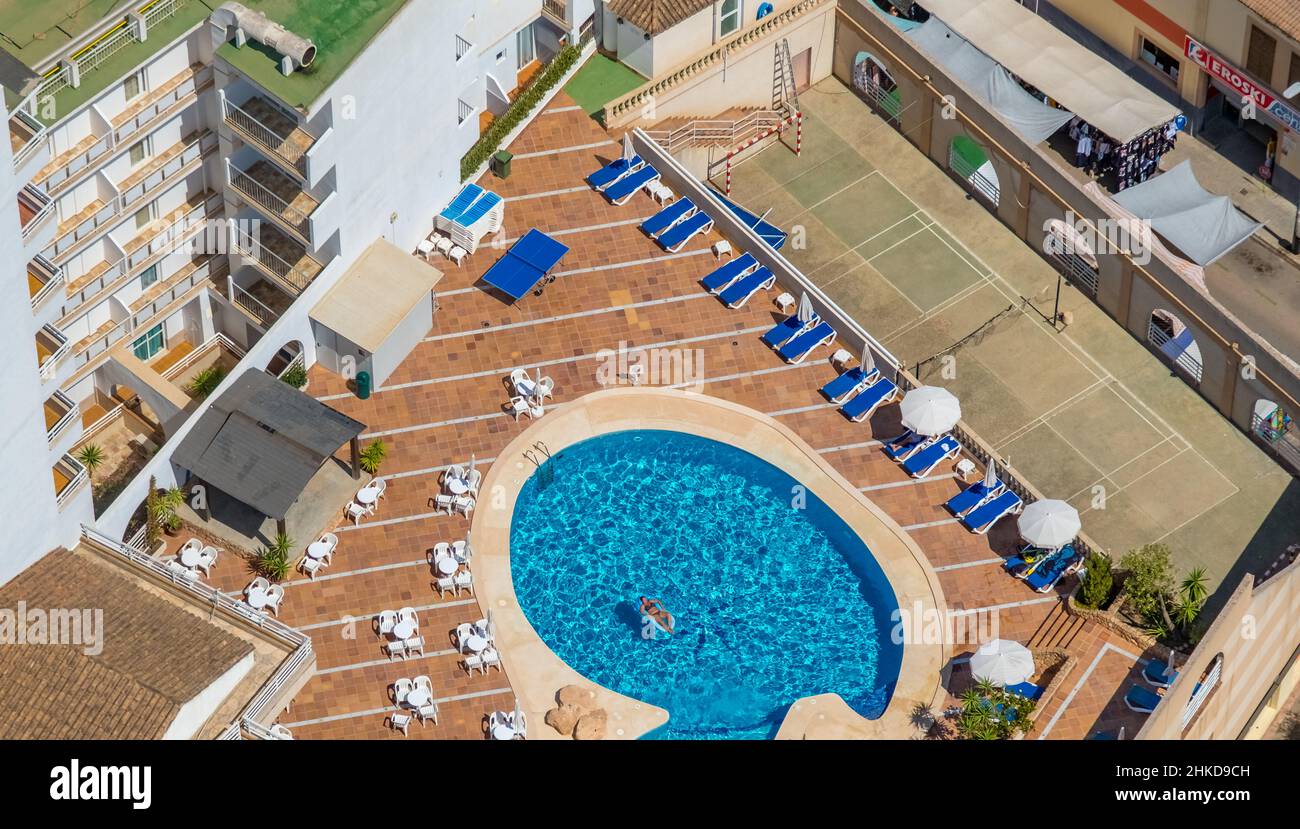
[
  {"x": 273, "y": 560},
  {"x": 296, "y": 376},
  {"x": 1099, "y": 581},
  {"x": 532, "y": 94},
  {"x": 1150, "y": 581},
  {"x": 205, "y": 382},
  {"x": 980, "y": 719},
  {"x": 372, "y": 456}
]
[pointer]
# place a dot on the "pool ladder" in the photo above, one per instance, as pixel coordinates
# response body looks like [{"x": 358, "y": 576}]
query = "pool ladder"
[{"x": 547, "y": 471}]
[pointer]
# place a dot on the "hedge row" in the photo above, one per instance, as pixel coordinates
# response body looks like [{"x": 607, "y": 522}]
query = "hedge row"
[{"x": 532, "y": 94}]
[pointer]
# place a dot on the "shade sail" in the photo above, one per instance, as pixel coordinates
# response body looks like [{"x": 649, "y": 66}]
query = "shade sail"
[
  {"x": 1039, "y": 53},
  {"x": 993, "y": 84},
  {"x": 1199, "y": 223}
]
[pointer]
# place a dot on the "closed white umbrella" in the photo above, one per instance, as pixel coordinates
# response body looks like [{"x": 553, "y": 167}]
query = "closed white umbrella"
[
  {"x": 469, "y": 551},
  {"x": 471, "y": 463},
  {"x": 930, "y": 410},
  {"x": 868, "y": 359},
  {"x": 490, "y": 625},
  {"x": 1049, "y": 523},
  {"x": 806, "y": 310},
  {"x": 517, "y": 718},
  {"x": 628, "y": 151},
  {"x": 991, "y": 474},
  {"x": 1002, "y": 662}
]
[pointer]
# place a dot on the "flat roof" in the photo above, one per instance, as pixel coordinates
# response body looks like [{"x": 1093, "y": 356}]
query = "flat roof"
[
  {"x": 375, "y": 295},
  {"x": 35, "y": 29},
  {"x": 340, "y": 31}
]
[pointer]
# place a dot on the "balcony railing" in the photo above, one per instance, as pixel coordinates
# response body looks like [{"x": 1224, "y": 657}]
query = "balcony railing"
[
  {"x": 294, "y": 277},
  {"x": 277, "y": 142},
  {"x": 38, "y": 206},
  {"x": 60, "y": 402},
  {"x": 463, "y": 112},
  {"x": 48, "y": 274},
  {"x": 178, "y": 164},
  {"x": 51, "y": 347},
  {"x": 262, "y": 196},
  {"x": 261, "y": 313},
  {"x": 159, "y": 106},
  {"x": 69, "y": 475},
  {"x": 463, "y": 47},
  {"x": 30, "y": 134},
  {"x": 557, "y": 11}
]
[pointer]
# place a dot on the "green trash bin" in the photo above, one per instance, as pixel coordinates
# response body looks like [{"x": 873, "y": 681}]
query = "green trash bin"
[
  {"x": 363, "y": 385},
  {"x": 501, "y": 163}
]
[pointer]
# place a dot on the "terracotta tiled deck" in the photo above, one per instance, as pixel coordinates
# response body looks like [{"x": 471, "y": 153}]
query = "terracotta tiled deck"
[{"x": 445, "y": 402}]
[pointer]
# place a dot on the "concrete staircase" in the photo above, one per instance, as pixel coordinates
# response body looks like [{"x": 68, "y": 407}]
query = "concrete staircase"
[{"x": 1058, "y": 630}]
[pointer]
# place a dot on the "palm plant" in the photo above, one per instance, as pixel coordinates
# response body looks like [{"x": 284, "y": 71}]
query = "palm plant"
[
  {"x": 272, "y": 561},
  {"x": 168, "y": 503},
  {"x": 372, "y": 456},
  {"x": 91, "y": 457},
  {"x": 206, "y": 381}
]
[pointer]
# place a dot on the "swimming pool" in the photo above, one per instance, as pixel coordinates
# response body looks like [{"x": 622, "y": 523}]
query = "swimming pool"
[{"x": 772, "y": 603}]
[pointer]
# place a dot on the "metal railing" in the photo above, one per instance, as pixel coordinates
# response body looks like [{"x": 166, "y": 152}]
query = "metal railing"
[
  {"x": 703, "y": 131},
  {"x": 215, "y": 341},
  {"x": 301, "y": 643},
  {"x": 156, "y": 108},
  {"x": 264, "y": 136},
  {"x": 557, "y": 10},
  {"x": 979, "y": 183},
  {"x": 1203, "y": 690},
  {"x": 463, "y": 111},
  {"x": 207, "y": 270},
  {"x": 76, "y": 475},
  {"x": 41, "y": 205},
  {"x": 250, "y": 304},
  {"x": 33, "y": 143},
  {"x": 70, "y": 169},
  {"x": 53, "y": 278},
  {"x": 162, "y": 172},
  {"x": 463, "y": 47},
  {"x": 59, "y": 349},
  {"x": 261, "y": 195},
  {"x": 1284, "y": 443},
  {"x": 66, "y": 418},
  {"x": 1185, "y": 359},
  {"x": 292, "y": 276}
]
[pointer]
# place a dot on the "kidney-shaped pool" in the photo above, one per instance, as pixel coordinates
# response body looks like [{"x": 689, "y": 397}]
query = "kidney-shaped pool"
[{"x": 774, "y": 596}]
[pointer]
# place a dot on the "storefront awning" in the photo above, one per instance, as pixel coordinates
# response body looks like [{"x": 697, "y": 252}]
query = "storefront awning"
[
  {"x": 1197, "y": 222},
  {"x": 1042, "y": 55}
]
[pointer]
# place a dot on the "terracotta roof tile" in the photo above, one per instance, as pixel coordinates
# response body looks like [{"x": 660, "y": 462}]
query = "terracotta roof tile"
[
  {"x": 1284, "y": 14},
  {"x": 657, "y": 16}
]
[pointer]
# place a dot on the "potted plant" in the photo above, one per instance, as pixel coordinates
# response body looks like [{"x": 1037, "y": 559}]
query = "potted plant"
[
  {"x": 168, "y": 503},
  {"x": 372, "y": 456},
  {"x": 273, "y": 560}
]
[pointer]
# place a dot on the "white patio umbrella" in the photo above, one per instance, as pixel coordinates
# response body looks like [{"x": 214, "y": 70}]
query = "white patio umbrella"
[
  {"x": 1002, "y": 662},
  {"x": 991, "y": 474},
  {"x": 517, "y": 716},
  {"x": 806, "y": 310},
  {"x": 1049, "y": 523},
  {"x": 469, "y": 552},
  {"x": 489, "y": 625},
  {"x": 868, "y": 359},
  {"x": 471, "y": 463},
  {"x": 930, "y": 410},
  {"x": 628, "y": 151}
]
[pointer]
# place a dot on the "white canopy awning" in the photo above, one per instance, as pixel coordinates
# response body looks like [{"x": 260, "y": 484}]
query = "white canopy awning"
[{"x": 1039, "y": 53}]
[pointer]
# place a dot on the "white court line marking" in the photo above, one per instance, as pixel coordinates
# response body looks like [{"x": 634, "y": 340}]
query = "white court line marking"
[
  {"x": 560, "y": 150},
  {"x": 858, "y": 245},
  {"x": 1083, "y": 680},
  {"x": 370, "y": 616},
  {"x": 546, "y": 194},
  {"x": 981, "y": 563},
  {"x": 389, "y": 709},
  {"x": 356, "y": 666}
]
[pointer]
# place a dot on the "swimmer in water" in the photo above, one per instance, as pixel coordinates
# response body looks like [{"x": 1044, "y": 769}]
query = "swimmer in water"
[{"x": 655, "y": 610}]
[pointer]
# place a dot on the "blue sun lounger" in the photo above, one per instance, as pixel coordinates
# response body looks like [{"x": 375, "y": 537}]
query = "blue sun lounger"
[
  {"x": 1158, "y": 674},
  {"x": 467, "y": 195},
  {"x": 1028, "y": 690},
  {"x": 787, "y": 329},
  {"x": 1020, "y": 566},
  {"x": 669, "y": 216},
  {"x": 1141, "y": 700},
  {"x": 988, "y": 513},
  {"x": 676, "y": 237},
  {"x": 1045, "y": 578},
  {"x": 797, "y": 350},
  {"x": 740, "y": 291},
  {"x": 626, "y": 187},
  {"x": 849, "y": 383},
  {"x": 972, "y": 496},
  {"x": 860, "y": 407},
  {"x": 613, "y": 171},
  {"x": 905, "y": 445},
  {"x": 923, "y": 463},
  {"x": 720, "y": 277}
]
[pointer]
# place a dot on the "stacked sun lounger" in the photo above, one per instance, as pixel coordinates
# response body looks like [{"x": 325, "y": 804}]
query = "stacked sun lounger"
[
  {"x": 849, "y": 383},
  {"x": 625, "y": 186},
  {"x": 472, "y": 215},
  {"x": 669, "y": 217},
  {"x": 1141, "y": 700},
  {"x": 676, "y": 237}
]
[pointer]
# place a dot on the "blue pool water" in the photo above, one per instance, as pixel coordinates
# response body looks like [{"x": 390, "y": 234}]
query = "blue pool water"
[{"x": 772, "y": 603}]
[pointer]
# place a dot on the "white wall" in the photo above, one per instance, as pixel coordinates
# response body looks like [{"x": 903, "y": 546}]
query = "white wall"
[
  {"x": 401, "y": 341},
  {"x": 197, "y": 711}
]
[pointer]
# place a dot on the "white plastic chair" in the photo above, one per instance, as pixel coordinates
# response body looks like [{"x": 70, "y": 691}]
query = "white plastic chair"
[
  {"x": 457, "y": 254},
  {"x": 414, "y": 644},
  {"x": 519, "y": 376},
  {"x": 407, "y": 614},
  {"x": 454, "y": 471},
  {"x": 395, "y": 648},
  {"x": 463, "y": 504},
  {"x": 463, "y": 632},
  {"x": 311, "y": 566},
  {"x": 444, "y": 503},
  {"x": 459, "y": 551},
  {"x": 386, "y": 621},
  {"x": 258, "y": 583},
  {"x": 379, "y": 485},
  {"x": 423, "y": 683},
  {"x": 332, "y": 542},
  {"x": 193, "y": 544},
  {"x": 473, "y": 662},
  {"x": 208, "y": 560},
  {"x": 464, "y": 580},
  {"x": 445, "y": 585},
  {"x": 281, "y": 732},
  {"x": 441, "y": 550},
  {"x": 427, "y": 712},
  {"x": 274, "y": 595},
  {"x": 355, "y": 511},
  {"x": 472, "y": 480},
  {"x": 545, "y": 387},
  {"x": 401, "y": 690},
  {"x": 519, "y": 406},
  {"x": 399, "y": 722},
  {"x": 490, "y": 658}
]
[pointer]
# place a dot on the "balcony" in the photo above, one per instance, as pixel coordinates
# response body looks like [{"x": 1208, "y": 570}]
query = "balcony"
[
  {"x": 35, "y": 208},
  {"x": 277, "y": 196},
  {"x": 557, "y": 12},
  {"x": 60, "y": 412},
  {"x": 277, "y": 255},
  {"x": 69, "y": 476},
  {"x": 26, "y": 137},
  {"x": 51, "y": 347},
  {"x": 262, "y": 302},
  {"x": 266, "y": 126},
  {"x": 44, "y": 278}
]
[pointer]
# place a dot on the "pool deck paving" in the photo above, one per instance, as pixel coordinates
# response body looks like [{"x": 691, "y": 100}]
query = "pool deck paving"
[{"x": 447, "y": 402}]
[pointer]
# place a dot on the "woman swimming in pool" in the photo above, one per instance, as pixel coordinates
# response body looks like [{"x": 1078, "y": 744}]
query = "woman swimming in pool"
[{"x": 655, "y": 610}]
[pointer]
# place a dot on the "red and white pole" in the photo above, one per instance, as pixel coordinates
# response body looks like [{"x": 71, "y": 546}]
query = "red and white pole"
[{"x": 798, "y": 132}]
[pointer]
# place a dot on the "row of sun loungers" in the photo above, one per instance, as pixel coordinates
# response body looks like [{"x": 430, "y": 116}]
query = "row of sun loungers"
[{"x": 619, "y": 180}]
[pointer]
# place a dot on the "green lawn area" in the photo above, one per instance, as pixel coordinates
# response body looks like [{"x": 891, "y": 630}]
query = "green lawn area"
[{"x": 599, "y": 81}]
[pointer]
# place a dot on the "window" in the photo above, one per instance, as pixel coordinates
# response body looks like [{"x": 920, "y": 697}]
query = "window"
[
  {"x": 1293, "y": 74},
  {"x": 133, "y": 86},
  {"x": 144, "y": 216},
  {"x": 501, "y": 55},
  {"x": 525, "y": 48},
  {"x": 149, "y": 276},
  {"x": 1163, "y": 62},
  {"x": 150, "y": 344},
  {"x": 729, "y": 17},
  {"x": 139, "y": 151},
  {"x": 1259, "y": 55}
]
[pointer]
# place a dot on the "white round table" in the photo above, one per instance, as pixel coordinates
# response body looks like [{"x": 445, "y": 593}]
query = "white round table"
[
  {"x": 457, "y": 486},
  {"x": 503, "y": 732},
  {"x": 190, "y": 557},
  {"x": 418, "y": 698},
  {"x": 447, "y": 566},
  {"x": 257, "y": 598},
  {"x": 476, "y": 643},
  {"x": 318, "y": 549},
  {"x": 403, "y": 630},
  {"x": 367, "y": 495}
]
